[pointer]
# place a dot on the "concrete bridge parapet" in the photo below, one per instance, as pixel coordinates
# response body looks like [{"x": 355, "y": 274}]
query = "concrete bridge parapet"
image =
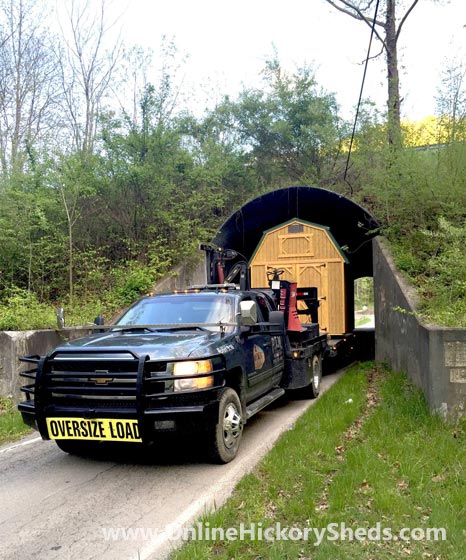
[{"x": 434, "y": 357}]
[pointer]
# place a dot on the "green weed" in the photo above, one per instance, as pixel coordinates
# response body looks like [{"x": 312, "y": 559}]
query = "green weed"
[
  {"x": 380, "y": 461},
  {"x": 11, "y": 424}
]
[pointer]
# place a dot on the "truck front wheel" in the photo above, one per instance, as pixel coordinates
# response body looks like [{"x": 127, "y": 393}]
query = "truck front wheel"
[{"x": 225, "y": 436}]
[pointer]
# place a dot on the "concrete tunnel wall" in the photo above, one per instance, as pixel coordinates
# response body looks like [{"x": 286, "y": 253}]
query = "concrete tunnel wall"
[{"x": 433, "y": 357}]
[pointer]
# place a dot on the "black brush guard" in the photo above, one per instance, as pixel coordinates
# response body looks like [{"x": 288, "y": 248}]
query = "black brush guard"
[{"x": 67, "y": 383}]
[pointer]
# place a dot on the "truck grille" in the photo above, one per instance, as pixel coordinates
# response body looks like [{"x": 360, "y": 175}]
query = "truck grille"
[{"x": 87, "y": 378}]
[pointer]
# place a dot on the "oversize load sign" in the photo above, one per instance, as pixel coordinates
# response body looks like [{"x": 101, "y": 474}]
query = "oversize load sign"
[{"x": 101, "y": 429}]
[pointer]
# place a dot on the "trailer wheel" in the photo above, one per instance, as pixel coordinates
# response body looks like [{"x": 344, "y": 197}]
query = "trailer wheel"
[
  {"x": 316, "y": 372},
  {"x": 225, "y": 437}
]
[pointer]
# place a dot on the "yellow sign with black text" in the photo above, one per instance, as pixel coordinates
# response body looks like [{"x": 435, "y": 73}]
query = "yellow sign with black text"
[{"x": 97, "y": 429}]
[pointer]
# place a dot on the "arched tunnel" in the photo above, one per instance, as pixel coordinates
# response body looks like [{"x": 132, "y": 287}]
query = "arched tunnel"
[{"x": 320, "y": 237}]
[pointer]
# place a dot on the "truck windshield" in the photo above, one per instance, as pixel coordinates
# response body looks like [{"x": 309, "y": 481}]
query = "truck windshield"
[{"x": 179, "y": 309}]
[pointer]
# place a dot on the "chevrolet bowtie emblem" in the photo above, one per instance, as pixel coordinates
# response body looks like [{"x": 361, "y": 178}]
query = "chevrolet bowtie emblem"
[{"x": 101, "y": 380}]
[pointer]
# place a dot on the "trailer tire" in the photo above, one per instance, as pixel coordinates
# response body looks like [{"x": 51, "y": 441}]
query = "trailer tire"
[
  {"x": 225, "y": 437},
  {"x": 315, "y": 369}
]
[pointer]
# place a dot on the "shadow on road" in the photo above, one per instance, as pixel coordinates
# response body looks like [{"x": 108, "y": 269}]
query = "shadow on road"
[
  {"x": 175, "y": 449},
  {"x": 168, "y": 449}
]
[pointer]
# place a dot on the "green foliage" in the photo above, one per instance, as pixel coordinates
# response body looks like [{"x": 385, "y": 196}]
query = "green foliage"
[
  {"x": 136, "y": 281},
  {"x": 290, "y": 129},
  {"x": 420, "y": 199},
  {"x": 12, "y": 426},
  {"x": 443, "y": 281},
  {"x": 101, "y": 290},
  {"x": 100, "y": 228},
  {"x": 22, "y": 310},
  {"x": 364, "y": 294}
]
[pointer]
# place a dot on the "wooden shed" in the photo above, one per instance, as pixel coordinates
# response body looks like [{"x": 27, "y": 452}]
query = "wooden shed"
[{"x": 310, "y": 256}]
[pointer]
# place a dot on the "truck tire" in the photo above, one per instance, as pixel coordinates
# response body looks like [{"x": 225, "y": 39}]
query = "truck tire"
[
  {"x": 225, "y": 436},
  {"x": 315, "y": 366}
]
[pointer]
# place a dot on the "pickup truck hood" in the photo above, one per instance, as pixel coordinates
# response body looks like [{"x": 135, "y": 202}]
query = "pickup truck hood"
[{"x": 158, "y": 345}]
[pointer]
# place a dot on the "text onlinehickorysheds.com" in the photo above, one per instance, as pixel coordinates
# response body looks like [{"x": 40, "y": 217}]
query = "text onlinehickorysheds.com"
[{"x": 275, "y": 532}]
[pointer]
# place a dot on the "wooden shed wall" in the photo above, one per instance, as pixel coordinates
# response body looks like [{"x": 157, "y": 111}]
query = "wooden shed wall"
[{"x": 309, "y": 256}]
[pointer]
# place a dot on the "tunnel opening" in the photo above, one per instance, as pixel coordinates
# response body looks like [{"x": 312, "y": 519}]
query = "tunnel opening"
[
  {"x": 316, "y": 238},
  {"x": 364, "y": 303}
]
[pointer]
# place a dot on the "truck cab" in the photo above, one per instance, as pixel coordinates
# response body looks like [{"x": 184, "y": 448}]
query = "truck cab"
[{"x": 204, "y": 359}]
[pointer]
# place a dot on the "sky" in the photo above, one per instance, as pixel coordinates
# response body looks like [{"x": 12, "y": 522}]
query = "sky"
[{"x": 227, "y": 44}]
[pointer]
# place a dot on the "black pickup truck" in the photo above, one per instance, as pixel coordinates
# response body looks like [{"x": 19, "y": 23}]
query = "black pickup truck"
[{"x": 203, "y": 360}]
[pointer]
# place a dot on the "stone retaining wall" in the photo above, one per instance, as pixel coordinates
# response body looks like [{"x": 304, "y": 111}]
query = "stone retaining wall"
[
  {"x": 434, "y": 357},
  {"x": 14, "y": 344}
]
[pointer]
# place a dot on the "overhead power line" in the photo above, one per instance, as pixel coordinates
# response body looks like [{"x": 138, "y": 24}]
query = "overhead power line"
[{"x": 360, "y": 93}]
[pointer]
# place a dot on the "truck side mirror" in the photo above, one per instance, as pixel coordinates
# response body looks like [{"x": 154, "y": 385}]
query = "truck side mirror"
[
  {"x": 248, "y": 313},
  {"x": 60, "y": 317}
]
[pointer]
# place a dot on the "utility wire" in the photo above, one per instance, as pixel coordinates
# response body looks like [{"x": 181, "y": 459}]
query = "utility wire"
[{"x": 360, "y": 94}]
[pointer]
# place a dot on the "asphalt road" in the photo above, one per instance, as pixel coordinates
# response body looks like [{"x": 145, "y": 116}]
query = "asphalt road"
[{"x": 56, "y": 506}]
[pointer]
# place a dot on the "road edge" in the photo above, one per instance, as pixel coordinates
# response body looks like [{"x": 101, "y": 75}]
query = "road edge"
[{"x": 162, "y": 545}]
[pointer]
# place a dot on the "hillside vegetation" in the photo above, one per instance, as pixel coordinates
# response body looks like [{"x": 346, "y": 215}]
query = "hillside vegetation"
[{"x": 98, "y": 201}]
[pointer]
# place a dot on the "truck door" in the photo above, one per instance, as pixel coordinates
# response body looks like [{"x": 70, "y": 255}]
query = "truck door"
[{"x": 263, "y": 368}]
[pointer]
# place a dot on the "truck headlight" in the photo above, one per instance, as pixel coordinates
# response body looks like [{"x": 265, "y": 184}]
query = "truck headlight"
[{"x": 183, "y": 369}]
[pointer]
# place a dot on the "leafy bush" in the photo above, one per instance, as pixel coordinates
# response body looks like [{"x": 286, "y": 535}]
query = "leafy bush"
[
  {"x": 443, "y": 284},
  {"x": 22, "y": 310},
  {"x": 137, "y": 280},
  {"x": 99, "y": 290},
  {"x": 420, "y": 199}
]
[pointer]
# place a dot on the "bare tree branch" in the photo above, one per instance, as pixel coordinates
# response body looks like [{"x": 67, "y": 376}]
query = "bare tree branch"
[
  {"x": 88, "y": 69},
  {"x": 27, "y": 83},
  {"x": 374, "y": 56},
  {"x": 359, "y": 15},
  {"x": 403, "y": 19}
]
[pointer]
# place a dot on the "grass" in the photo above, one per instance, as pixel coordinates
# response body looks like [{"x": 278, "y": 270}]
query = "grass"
[
  {"x": 381, "y": 458},
  {"x": 11, "y": 423}
]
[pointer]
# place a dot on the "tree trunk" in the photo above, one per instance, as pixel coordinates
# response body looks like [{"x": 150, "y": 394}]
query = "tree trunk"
[
  {"x": 18, "y": 90},
  {"x": 70, "y": 255},
  {"x": 394, "y": 119},
  {"x": 361, "y": 10}
]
